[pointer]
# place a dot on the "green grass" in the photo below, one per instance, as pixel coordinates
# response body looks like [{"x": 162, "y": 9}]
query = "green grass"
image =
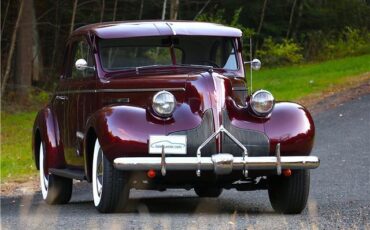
[
  {"x": 16, "y": 153},
  {"x": 295, "y": 82},
  {"x": 286, "y": 83}
]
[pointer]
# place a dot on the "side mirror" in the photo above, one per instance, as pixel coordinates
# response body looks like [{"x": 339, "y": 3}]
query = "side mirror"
[
  {"x": 81, "y": 64},
  {"x": 256, "y": 64}
]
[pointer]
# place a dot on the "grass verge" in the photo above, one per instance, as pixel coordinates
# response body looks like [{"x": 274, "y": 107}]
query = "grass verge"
[
  {"x": 296, "y": 82},
  {"x": 16, "y": 157}
]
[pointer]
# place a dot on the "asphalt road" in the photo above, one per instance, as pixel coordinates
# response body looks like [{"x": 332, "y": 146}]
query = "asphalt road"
[{"x": 339, "y": 196}]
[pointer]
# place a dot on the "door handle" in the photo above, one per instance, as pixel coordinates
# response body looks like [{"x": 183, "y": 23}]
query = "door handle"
[{"x": 62, "y": 98}]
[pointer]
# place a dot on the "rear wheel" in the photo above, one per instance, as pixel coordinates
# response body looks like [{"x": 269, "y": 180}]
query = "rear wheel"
[
  {"x": 208, "y": 191},
  {"x": 289, "y": 194},
  {"x": 54, "y": 189},
  {"x": 109, "y": 185}
]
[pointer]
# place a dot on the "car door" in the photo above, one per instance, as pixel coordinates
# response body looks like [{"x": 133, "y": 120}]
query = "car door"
[
  {"x": 81, "y": 96},
  {"x": 60, "y": 99}
]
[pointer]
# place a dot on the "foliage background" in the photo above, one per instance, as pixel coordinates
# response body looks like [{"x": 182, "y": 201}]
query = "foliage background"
[{"x": 284, "y": 31}]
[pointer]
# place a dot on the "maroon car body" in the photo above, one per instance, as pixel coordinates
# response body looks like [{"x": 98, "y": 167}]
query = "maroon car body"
[{"x": 115, "y": 107}]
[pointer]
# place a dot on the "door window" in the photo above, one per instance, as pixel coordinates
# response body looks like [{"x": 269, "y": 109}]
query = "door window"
[{"x": 81, "y": 50}]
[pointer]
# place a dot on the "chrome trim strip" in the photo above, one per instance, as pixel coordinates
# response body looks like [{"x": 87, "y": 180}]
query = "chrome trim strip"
[
  {"x": 239, "y": 88},
  {"x": 138, "y": 90},
  {"x": 119, "y": 90},
  {"x": 206, "y": 163}
]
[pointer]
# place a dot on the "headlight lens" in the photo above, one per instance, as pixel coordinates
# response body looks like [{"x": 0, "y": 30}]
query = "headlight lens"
[
  {"x": 262, "y": 102},
  {"x": 164, "y": 103}
]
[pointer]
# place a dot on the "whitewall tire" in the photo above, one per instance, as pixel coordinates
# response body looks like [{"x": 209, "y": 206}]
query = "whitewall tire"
[
  {"x": 109, "y": 185},
  {"x": 54, "y": 189}
]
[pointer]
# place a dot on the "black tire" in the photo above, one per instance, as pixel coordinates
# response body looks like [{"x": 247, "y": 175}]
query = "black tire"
[
  {"x": 60, "y": 190},
  {"x": 54, "y": 189},
  {"x": 289, "y": 195},
  {"x": 208, "y": 192},
  {"x": 115, "y": 190}
]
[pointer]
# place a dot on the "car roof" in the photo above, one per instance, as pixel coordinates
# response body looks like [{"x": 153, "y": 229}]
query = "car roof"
[{"x": 128, "y": 29}]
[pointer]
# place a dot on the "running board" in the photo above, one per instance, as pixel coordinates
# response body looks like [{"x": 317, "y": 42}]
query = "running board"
[{"x": 69, "y": 173}]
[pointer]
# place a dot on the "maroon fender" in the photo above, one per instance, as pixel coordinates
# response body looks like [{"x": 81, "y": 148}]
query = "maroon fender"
[
  {"x": 46, "y": 129},
  {"x": 292, "y": 126},
  {"x": 125, "y": 130}
]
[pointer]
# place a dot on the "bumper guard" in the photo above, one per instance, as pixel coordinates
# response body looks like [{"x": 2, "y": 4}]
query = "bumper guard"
[{"x": 221, "y": 163}]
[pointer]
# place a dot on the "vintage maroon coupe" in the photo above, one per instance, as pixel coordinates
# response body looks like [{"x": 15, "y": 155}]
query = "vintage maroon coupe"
[{"x": 164, "y": 104}]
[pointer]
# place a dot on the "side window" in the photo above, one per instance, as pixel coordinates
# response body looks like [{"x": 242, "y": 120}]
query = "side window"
[{"x": 81, "y": 50}]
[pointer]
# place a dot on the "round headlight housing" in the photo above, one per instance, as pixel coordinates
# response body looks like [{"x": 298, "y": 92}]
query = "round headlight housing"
[
  {"x": 262, "y": 102},
  {"x": 164, "y": 103}
]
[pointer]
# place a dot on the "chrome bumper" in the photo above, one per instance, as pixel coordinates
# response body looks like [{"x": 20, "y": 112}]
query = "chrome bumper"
[{"x": 221, "y": 163}]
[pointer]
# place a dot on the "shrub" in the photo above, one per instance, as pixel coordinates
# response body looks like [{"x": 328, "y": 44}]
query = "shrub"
[
  {"x": 348, "y": 42},
  {"x": 286, "y": 52}
]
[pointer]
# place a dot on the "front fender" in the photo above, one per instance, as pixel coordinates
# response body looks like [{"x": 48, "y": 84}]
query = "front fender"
[
  {"x": 45, "y": 130},
  {"x": 125, "y": 130},
  {"x": 292, "y": 126}
]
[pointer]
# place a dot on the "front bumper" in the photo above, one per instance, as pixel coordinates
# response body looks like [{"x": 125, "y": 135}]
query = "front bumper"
[{"x": 221, "y": 163}]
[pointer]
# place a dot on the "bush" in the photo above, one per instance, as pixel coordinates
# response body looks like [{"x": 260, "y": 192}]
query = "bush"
[
  {"x": 349, "y": 42},
  {"x": 284, "y": 53}
]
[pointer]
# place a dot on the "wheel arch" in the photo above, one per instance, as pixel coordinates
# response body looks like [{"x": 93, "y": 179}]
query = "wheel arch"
[
  {"x": 291, "y": 125},
  {"x": 89, "y": 152},
  {"x": 36, "y": 148},
  {"x": 46, "y": 131}
]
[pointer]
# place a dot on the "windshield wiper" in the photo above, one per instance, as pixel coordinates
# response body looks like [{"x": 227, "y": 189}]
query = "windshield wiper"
[
  {"x": 196, "y": 66},
  {"x": 208, "y": 67},
  {"x": 149, "y": 66}
]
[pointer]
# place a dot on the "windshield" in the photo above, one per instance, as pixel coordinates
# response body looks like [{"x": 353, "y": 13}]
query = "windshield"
[{"x": 120, "y": 54}]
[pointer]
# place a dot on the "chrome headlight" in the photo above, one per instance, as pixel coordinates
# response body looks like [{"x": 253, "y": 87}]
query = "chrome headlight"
[
  {"x": 164, "y": 103},
  {"x": 262, "y": 102}
]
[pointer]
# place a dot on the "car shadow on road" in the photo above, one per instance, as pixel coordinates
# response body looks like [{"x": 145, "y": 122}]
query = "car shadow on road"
[{"x": 32, "y": 204}]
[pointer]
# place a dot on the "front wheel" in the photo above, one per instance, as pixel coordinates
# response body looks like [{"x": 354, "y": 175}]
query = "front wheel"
[
  {"x": 289, "y": 194},
  {"x": 54, "y": 189},
  {"x": 109, "y": 185}
]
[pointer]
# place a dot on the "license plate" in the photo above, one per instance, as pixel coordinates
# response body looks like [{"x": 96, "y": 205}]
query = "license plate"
[{"x": 171, "y": 144}]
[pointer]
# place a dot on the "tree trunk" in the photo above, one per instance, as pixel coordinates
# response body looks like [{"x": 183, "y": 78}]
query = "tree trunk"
[
  {"x": 164, "y": 9},
  {"x": 56, "y": 34},
  {"x": 73, "y": 16},
  {"x": 4, "y": 20},
  {"x": 37, "y": 64},
  {"x": 141, "y": 9},
  {"x": 174, "y": 9},
  {"x": 262, "y": 18},
  {"x": 299, "y": 17},
  {"x": 201, "y": 10},
  {"x": 11, "y": 49},
  {"x": 291, "y": 19},
  {"x": 102, "y": 10},
  {"x": 114, "y": 10},
  {"x": 24, "y": 52}
]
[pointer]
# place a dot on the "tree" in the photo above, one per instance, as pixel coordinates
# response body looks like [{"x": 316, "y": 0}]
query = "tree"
[
  {"x": 262, "y": 18},
  {"x": 24, "y": 50},
  {"x": 11, "y": 50},
  {"x": 73, "y": 16},
  {"x": 174, "y": 9},
  {"x": 291, "y": 19}
]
